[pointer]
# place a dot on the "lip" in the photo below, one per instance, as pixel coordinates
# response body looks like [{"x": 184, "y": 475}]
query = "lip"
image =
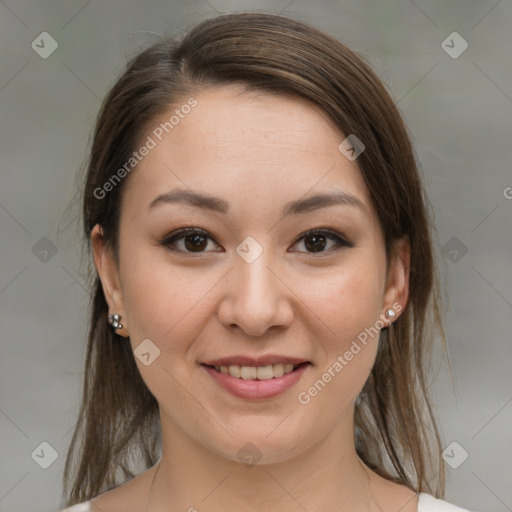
[
  {"x": 256, "y": 389},
  {"x": 254, "y": 361}
]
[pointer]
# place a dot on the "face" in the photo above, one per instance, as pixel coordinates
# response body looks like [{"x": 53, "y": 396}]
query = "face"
[{"x": 261, "y": 280}]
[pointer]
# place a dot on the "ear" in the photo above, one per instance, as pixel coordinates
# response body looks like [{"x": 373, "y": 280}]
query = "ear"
[
  {"x": 396, "y": 293},
  {"x": 108, "y": 273}
]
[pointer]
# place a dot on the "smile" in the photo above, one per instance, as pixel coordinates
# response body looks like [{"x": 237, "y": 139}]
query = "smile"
[
  {"x": 272, "y": 371},
  {"x": 257, "y": 382}
]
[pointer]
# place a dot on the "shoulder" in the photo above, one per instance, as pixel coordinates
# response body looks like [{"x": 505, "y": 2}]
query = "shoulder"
[
  {"x": 80, "y": 507},
  {"x": 427, "y": 503},
  {"x": 126, "y": 497}
]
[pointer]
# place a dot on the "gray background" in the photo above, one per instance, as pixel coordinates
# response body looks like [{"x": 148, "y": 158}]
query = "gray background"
[{"x": 458, "y": 111}]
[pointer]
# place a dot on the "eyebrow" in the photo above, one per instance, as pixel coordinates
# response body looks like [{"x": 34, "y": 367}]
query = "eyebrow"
[{"x": 297, "y": 207}]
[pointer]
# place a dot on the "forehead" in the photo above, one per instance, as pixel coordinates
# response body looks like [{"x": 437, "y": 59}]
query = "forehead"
[
  {"x": 241, "y": 144},
  {"x": 231, "y": 114}
]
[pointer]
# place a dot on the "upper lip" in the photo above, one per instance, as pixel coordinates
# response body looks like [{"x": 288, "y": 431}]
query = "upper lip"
[{"x": 254, "y": 361}]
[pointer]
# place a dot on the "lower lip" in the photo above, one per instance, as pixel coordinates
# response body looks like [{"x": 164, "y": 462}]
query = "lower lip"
[{"x": 254, "y": 389}]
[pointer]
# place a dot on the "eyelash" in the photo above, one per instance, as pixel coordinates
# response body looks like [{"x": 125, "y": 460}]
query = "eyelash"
[{"x": 184, "y": 232}]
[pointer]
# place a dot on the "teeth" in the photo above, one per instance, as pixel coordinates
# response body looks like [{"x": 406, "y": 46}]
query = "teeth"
[
  {"x": 273, "y": 371},
  {"x": 288, "y": 367},
  {"x": 247, "y": 372}
]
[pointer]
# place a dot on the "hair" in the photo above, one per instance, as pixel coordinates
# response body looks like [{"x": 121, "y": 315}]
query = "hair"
[{"x": 395, "y": 429}]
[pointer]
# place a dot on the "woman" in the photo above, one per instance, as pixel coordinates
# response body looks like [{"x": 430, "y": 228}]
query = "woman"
[{"x": 265, "y": 292}]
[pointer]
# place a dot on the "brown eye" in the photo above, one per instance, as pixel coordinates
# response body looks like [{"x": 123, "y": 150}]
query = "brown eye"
[
  {"x": 315, "y": 243},
  {"x": 190, "y": 240},
  {"x": 195, "y": 242},
  {"x": 318, "y": 241}
]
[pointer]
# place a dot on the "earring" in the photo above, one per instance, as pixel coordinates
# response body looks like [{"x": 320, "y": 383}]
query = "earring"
[
  {"x": 115, "y": 321},
  {"x": 390, "y": 314}
]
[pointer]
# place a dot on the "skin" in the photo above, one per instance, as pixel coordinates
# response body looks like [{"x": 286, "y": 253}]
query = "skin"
[{"x": 257, "y": 152}]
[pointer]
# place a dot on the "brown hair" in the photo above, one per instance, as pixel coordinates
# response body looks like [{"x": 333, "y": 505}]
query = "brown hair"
[{"x": 396, "y": 434}]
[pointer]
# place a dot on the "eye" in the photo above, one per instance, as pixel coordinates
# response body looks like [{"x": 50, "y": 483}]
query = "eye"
[
  {"x": 191, "y": 240},
  {"x": 317, "y": 240},
  {"x": 195, "y": 240}
]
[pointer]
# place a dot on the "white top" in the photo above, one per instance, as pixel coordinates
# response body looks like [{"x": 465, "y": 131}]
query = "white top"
[{"x": 426, "y": 503}]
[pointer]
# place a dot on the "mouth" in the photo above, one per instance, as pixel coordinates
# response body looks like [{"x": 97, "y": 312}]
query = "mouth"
[
  {"x": 257, "y": 381},
  {"x": 266, "y": 372}
]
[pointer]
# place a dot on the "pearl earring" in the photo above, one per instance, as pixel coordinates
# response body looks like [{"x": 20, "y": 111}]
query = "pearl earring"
[
  {"x": 390, "y": 314},
  {"x": 115, "y": 321}
]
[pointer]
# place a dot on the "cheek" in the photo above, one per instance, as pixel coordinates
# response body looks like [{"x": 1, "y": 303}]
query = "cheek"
[
  {"x": 347, "y": 299},
  {"x": 348, "y": 304},
  {"x": 164, "y": 302},
  {"x": 350, "y": 309}
]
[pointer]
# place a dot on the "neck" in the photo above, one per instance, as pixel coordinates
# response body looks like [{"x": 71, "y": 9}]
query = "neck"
[{"x": 327, "y": 476}]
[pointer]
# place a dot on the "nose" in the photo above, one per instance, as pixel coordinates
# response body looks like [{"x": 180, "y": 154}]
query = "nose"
[{"x": 256, "y": 297}]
